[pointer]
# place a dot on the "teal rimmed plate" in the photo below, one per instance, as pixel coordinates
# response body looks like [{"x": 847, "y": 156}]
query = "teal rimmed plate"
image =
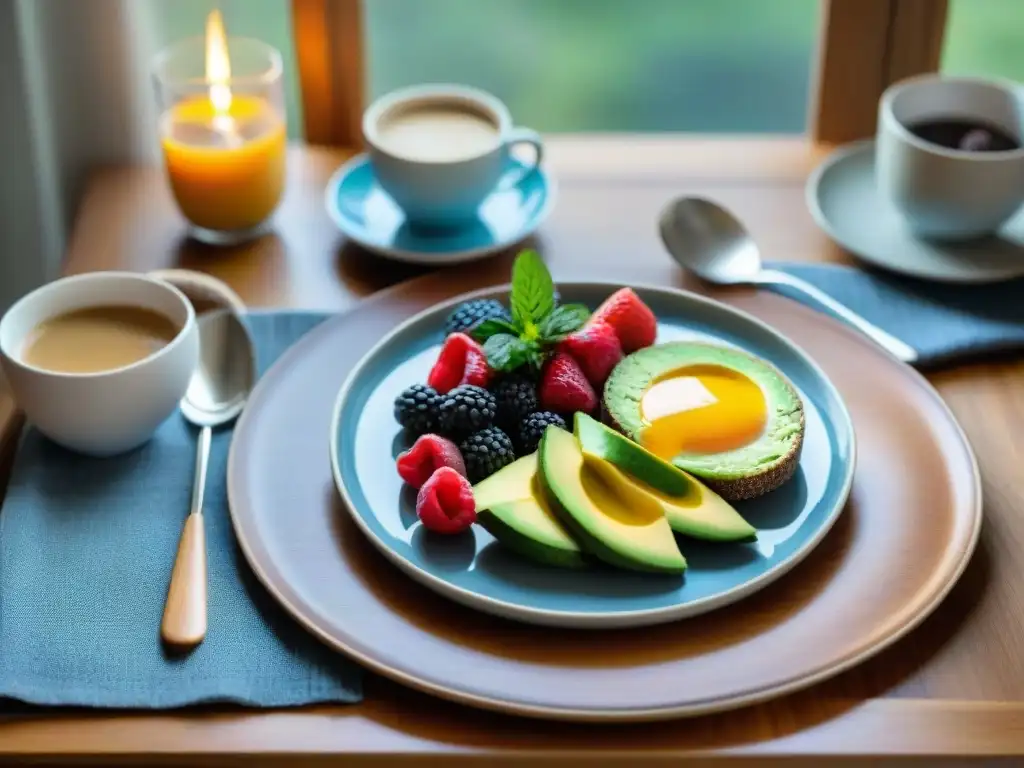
[{"x": 477, "y": 571}]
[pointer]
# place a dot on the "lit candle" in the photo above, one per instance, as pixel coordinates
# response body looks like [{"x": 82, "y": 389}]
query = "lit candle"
[{"x": 223, "y": 134}]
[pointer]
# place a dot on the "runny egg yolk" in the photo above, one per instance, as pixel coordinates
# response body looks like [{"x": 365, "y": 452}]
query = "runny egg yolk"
[{"x": 701, "y": 409}]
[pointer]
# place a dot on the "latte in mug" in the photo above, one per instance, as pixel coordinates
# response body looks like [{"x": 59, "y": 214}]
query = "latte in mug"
[
  {"x": 436, "y": 133},
  {"x": 98, "y": 361},
  {"x": 439, "y": 151},
  {"x": 97, "y": 339}
]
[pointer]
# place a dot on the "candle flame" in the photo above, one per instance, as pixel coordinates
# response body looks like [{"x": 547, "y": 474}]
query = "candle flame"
[{"x": 218, "y": 65}]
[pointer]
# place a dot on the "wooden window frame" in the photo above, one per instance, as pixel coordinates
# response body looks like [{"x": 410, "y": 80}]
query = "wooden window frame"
[
  {"x": 864, "y": 46},
  {"x": 329, "y": 51}
]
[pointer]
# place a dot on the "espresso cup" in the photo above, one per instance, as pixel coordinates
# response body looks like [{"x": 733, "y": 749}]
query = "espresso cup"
[
  {"x": 110, "y": 411},
  {"x": 439, "y": 150},
  {"x": 946, "y": 193}
]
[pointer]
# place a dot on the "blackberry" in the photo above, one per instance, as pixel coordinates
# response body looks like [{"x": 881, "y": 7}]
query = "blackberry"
[
  {"x": 468, "y": 316},
  {"x": 418, "y": 409},
  {"x": 532, "y": 429},
  {"x": 516, "y": 396},
  {"x": 467, "y": 408},
  {"x": 485, "y": 452}
]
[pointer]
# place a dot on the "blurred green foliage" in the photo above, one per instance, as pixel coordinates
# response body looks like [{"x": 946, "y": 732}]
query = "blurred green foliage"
[
  {"x": 610, "y": 65},
  {"x": 985, "y": 37}
]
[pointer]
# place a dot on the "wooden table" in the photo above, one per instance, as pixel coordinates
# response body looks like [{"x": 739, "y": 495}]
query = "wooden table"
[{"x": 952, "y": 688}]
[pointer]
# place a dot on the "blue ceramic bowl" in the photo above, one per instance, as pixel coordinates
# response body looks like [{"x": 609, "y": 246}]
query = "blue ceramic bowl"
[{"x": 477, "y": 571}]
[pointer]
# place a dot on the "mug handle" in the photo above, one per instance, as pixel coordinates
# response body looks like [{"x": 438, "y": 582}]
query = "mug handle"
[{"x": 522, "y": 136}]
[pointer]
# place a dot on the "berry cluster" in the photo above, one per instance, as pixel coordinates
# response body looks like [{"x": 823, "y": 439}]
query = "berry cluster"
[
  {"x": 471, "y": 420},
  {"x": 491, "y": 418}
]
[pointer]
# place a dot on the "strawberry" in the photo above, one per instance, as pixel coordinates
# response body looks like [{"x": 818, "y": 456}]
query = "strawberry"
[
  {"x": 564, "y": 387},
  {"x": 429, "y": 453},
  {"x": 596, "y": 348},
  {"x": 445, "y": 502},
  {"x": 633, "y": 321},
  {"x": 462, "y": 361}
]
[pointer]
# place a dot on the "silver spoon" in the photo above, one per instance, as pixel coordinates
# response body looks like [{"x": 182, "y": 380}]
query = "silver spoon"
[
  {"x": 216, "y": 394},
  {"x": 707, "y": 239}
]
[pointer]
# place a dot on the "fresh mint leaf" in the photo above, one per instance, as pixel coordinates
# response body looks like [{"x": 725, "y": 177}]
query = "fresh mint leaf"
[
  {"x": 535, "y": 357},
  {"x": 492, "y": 327},
  {"x": 563, "y": 320},
  {"x": 533, "y": 292},
  {"x": 506, "y": 352}
]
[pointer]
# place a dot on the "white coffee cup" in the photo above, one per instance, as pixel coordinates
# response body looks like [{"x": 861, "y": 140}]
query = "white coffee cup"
[
  {"x": 943, "y": 193},
  {"x": 440, "y": 176},
  {"x": 107, "y": 412}
]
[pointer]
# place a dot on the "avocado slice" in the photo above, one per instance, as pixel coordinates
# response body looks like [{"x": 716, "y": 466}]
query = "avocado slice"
[
  {"x": 691, "y": 508},
  {"x": 762, "y": 463},
  {"x": 512, "y": 507},
  {"x": 610, "y": 517}
]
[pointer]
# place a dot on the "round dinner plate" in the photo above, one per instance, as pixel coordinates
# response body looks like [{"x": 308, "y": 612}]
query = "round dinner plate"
[
  {"x": 477, "y": 571},
  {"x": 907, "y": 532}
]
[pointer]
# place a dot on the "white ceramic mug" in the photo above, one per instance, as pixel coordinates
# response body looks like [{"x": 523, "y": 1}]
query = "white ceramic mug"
[
  {"x": 107, "y": 412},
  {"x": 942, "y": 193},
  {"x": 446, "y": 192}
]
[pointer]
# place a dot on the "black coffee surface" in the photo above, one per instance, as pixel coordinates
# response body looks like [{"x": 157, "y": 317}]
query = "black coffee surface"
[{"x": 966, "y": 135}]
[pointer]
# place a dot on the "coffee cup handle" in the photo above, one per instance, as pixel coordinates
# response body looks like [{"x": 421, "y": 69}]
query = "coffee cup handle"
[{"x": 522, "y": 136}]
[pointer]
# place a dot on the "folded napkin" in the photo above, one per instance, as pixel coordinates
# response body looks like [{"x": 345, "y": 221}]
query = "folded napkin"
[
  {"x": 945, "y": 323},
  {"x": 86, "y": 550}
]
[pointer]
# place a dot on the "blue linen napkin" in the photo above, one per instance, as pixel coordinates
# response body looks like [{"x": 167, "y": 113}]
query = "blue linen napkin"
[
  {"x": 945, "y": 323},
  {"x": 86, "y": 550}
]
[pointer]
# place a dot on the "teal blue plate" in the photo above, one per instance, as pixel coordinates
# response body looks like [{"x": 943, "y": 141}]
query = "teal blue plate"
[
  {"x": 477, "y": 571},
  {"x": 369, "y": 217}
]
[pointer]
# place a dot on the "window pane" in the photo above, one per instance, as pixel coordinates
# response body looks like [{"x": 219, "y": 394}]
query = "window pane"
[
  {"x": 983, "y": 37},
  {"x": 267, "y": 20},
  {"x": 608, "y": 65}
]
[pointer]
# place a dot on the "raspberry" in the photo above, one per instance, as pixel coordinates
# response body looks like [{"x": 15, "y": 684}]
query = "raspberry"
[
  {"x": 445, "y": 503},
  {"x": 462, "y": 361},
  {"x": 429, "y": 453}
]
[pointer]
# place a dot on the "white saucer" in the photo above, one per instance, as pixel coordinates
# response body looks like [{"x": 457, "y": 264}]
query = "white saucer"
[{"x": 845, "y": 202}]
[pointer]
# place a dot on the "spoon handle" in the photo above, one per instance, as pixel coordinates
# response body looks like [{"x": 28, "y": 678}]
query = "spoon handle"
[
  {"x": 184, "y": 621},
  {"x": 900, "y": 349}
]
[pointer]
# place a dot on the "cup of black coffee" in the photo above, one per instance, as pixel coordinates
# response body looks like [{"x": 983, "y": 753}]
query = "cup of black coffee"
[{"x": 949, "y": 154}]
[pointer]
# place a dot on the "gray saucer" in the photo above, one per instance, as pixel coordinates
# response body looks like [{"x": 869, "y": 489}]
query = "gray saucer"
[{"x": 844, "y": 201}]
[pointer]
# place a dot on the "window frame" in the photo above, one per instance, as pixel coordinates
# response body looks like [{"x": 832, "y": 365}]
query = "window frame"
[
  {"x": 329, "y": 54},
  {"x": 864, "y": 46}
]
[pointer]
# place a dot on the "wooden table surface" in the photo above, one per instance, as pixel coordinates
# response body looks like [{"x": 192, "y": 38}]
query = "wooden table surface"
[{"x": 953, "y": 688}]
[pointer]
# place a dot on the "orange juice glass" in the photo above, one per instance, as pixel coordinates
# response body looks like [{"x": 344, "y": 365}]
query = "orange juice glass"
[{"x": 222, "y": 132}]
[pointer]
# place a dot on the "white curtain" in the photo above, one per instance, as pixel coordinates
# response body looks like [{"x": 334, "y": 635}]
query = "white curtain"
[{"x": 76, "y": 96}]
